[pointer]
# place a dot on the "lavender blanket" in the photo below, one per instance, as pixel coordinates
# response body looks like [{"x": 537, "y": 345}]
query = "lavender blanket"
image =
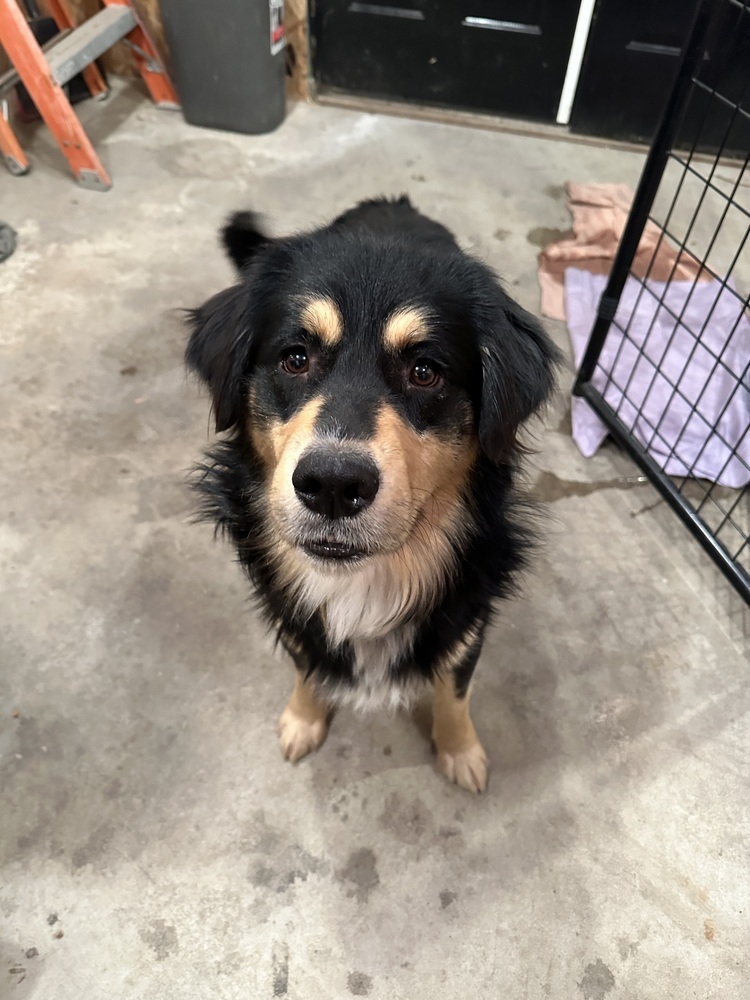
[{"x": 690, "y": 410}]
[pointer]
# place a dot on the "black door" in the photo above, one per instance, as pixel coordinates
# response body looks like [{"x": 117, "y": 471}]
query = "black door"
[
  {"x": 630, "y": 64},
  {"x": 503, "y": 56}
]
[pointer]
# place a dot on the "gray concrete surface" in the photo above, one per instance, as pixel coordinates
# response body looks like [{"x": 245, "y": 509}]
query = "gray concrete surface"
[{"x": 153, "y": 844}]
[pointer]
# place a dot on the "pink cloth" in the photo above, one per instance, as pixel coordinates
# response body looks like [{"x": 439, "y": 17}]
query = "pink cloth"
[
  {"x": 600, "y": 212},
  {"x": 704, "y": 429}
]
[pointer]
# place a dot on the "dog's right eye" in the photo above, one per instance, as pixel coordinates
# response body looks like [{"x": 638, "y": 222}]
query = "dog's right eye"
[{"x": 295, "y": 361}]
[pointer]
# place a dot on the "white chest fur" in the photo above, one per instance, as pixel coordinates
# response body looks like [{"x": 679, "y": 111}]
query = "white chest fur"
[
  {"x": 375, "y": 686},
  {"x": 366, "y": 609}
]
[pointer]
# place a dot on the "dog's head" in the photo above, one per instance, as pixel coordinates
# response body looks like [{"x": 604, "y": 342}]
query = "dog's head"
[{"x": 368, "y": 372}]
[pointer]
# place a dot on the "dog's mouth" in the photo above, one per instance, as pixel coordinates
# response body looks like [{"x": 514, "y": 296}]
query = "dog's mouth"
[{"x": 330, "y": 550}]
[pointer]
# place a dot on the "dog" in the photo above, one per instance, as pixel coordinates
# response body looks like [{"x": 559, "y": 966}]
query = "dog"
[{"x": 370, "y": 379}]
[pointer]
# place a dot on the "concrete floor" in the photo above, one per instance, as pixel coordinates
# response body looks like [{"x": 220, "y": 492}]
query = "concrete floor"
[{"x": 153, "y": 844}]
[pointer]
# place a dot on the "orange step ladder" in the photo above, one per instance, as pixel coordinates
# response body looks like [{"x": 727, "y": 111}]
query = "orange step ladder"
[{"x": 44, "y": 71}]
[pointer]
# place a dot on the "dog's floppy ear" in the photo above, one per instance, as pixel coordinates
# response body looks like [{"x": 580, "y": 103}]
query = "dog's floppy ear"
[
  {"x": 224, "y": 335},
  {"x": 242, "y": 237},
  {"x": 519, "y": 364},
  {"x": 218, "y": 351}
]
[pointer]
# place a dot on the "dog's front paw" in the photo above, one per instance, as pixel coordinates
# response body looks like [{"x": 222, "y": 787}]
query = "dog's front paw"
[
  {"x": 466, "y": 767},
  {"x": 300, "y": 735}
]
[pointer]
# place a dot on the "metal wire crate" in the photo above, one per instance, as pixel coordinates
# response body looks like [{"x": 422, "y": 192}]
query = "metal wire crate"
[{"x": 698, "y": 194}]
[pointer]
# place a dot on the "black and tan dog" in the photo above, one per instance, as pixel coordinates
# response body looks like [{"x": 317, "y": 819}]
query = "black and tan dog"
[{"x": 372, "y": 379}]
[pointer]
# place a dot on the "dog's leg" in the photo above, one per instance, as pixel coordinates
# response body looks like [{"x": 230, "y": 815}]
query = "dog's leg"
[
  {"x": 303, "y": 724},
  {"x": 461, "y": 756}
]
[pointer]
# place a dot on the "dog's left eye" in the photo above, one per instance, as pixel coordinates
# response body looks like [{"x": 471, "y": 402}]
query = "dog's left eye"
[
  {"x": 295, "y": 361},
  {"x": 424, "y": 375}
]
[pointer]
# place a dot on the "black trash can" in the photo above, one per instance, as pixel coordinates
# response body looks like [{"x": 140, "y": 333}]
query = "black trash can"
[{"x": 228, "y": 59}]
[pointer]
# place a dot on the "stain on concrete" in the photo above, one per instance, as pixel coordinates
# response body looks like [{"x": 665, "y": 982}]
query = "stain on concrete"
[
  {"x": 408, "y": 819},
  {"x": 30, "y": 737},
  {"x": 360, "y": 873},
  {"x": 262, "y": 876},
  {"x": 550, "y": 487},
  {"x": 340, "y": 806},
  {"x": 279, "y": 862},
  {"x": 531, "y": 697},
  {"x": 263, "y": 838},
  {"x": 113, "y": 789},
  {"x": 555, "y": 191},
  {"x": 627, "y": 948},
  {"x": 280, "y": 965},
  {"x": 709, "y": 931},
  {"x": 597, "y": 981},
  {"x": 230, "y": 963},
  {"x": 27, "y": 841},
  {"x": 446, "y": 898},
  {"x": 359, "y": 984},
  {"x": 540, "y": 236},
  {"x": 387, "y": 751},
  {"x": 161, "y": 938},
  {"x": 94, "y": 847},
  {"x": 448, "y": 832},
  {"x": 296, "y": 867},
  {"x": 647, "y": 507},
  {"x": 502, "y": 234}
]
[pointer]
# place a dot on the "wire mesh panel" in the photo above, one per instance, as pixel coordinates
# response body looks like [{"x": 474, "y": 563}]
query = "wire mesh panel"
[{"x": 667, "y": 366}]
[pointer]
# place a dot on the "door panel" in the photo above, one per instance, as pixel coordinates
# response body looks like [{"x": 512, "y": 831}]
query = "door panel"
[
  {"x": 503, "y": 56},
  {"x": 630, "y": 62},
  {"x": 630, "y": 65}
]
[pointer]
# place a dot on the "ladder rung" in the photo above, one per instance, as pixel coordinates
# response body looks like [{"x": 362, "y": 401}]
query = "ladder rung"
[
  {"x": 10, "y": 78},
  {"x": 87, "y": 42}
]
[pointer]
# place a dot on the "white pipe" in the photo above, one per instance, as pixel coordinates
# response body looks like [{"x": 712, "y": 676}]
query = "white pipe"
[{"x": 577, "y": 49}]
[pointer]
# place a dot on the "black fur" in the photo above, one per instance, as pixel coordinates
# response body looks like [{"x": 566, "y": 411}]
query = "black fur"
[
  {"x": 500, "y": 370},
  {"x": 242, "y": 237}
]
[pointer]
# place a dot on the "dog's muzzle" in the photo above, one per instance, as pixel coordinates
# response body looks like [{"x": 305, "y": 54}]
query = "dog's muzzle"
[{"x": 336, "y": 486}]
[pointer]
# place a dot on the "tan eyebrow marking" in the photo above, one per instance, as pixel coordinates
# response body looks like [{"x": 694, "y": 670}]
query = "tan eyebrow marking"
[
  {"x": 322, "y": 317},
  {"x": 404, "y": 328}
]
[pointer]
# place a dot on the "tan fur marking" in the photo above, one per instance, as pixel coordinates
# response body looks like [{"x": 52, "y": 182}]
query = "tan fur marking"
[
  {"x": 271, "y": 437},
  {"x": 432, "y": 473},
  {"x": 405, "y": 328},
  {"x": 461, "y": 757},
  {"x": 458, "y": 653},
  {"x": 322, "y": 317},
  {"x": 303, "y": 724}
]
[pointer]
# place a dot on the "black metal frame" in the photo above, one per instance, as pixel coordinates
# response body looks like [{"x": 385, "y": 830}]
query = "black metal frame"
[{"x": 734, "y": 508}]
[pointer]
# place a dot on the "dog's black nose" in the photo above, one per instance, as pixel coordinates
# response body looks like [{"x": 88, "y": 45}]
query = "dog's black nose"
[{"x": 336, "y": 484}]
